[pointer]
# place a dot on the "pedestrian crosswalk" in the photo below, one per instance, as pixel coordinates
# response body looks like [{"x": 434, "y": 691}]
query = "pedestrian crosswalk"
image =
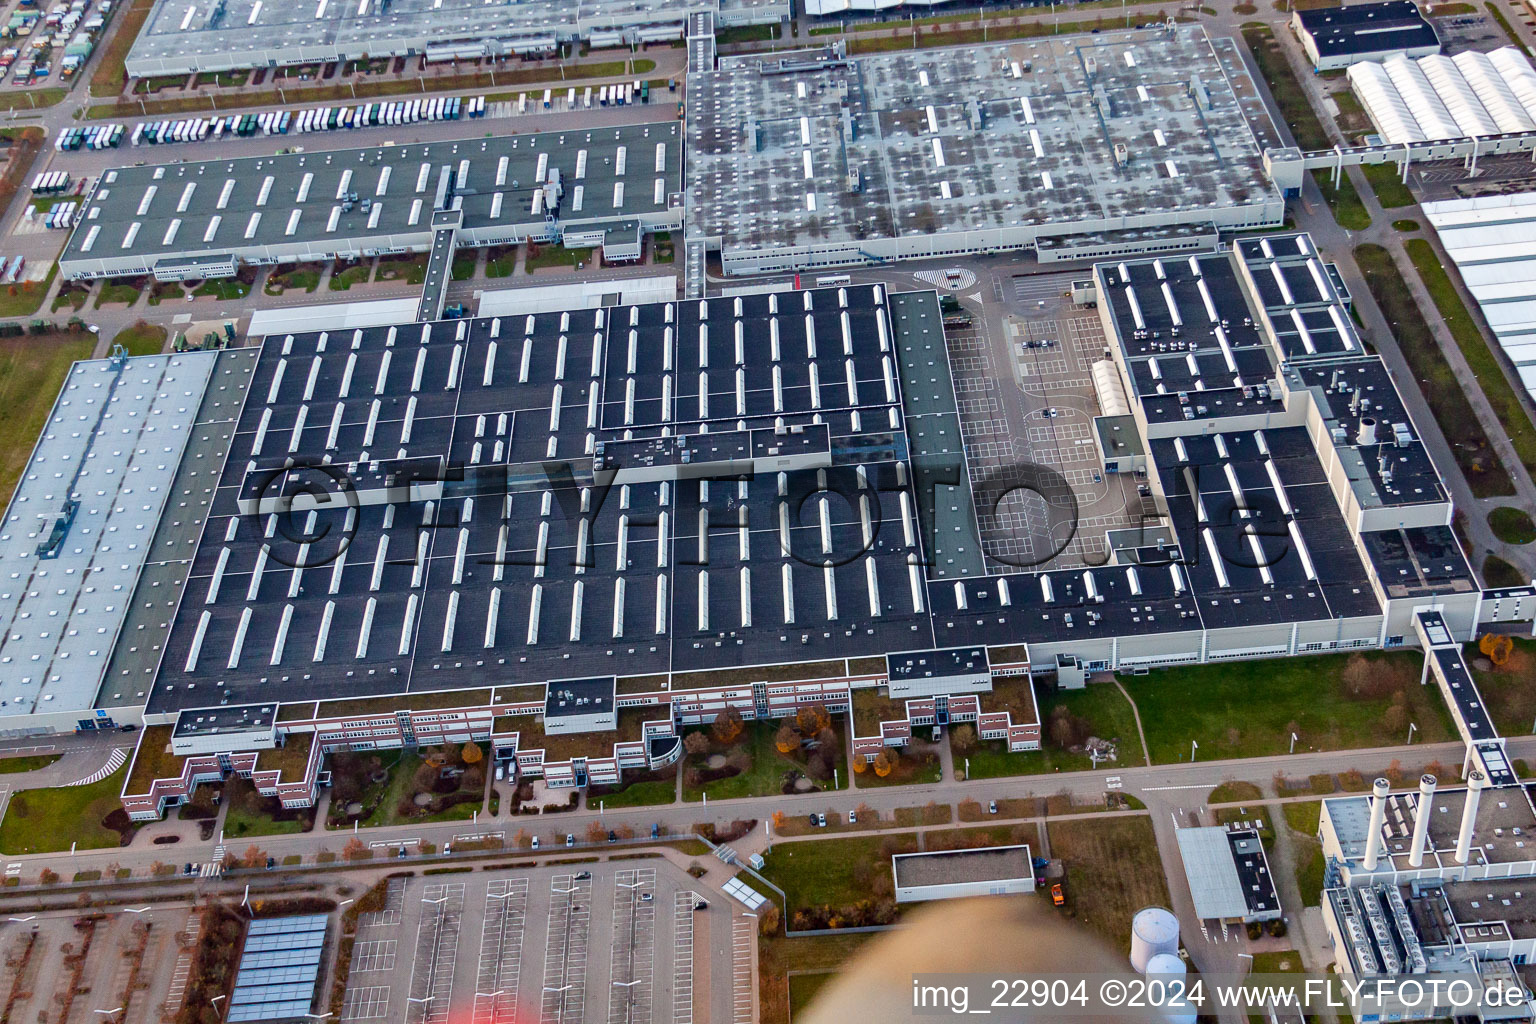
[{"x": 114, "y": 762}]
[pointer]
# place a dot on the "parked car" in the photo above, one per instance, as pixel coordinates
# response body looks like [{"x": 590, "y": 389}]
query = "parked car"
[
  {"x": 646, "y": 897},
  {"x": 821, "y": 821},
  {"x": 570, "y": 839},
  {"x": 582, "y": 876},
  {"x": 613, "y": 836},
  {"x": 853, "y": 817},
  {"x": 992, "y": 807},
  {"x": 812, "y": 819},
  {"x": 535, "y": 842},
  {"x": 271, "y": 863},
  {"x": 1058, "y": 898}
]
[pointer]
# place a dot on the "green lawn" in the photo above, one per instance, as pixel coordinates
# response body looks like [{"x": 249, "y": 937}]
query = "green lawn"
[
  {"x": 917, "y": 767},
  {"x": 765, "y": 777},
  {"x": 834, "y": 872},
  {"x": 26, "y": 763},
  {"x": 114, "y": 292},
  {"x": 141, "y": 339},
  {"x": 25, "y": 297},
  {"x": 640, "y": 794},
  {"x": 1386, "y": 181},
  {"x": 71, "y": 298},
  {"x": 399, "y": 784},
  {"x": 1405, "y": 225},
  {"x": 501, "y": 266},
  {"x": 1476, "y": 351},
  {"x": 1512, "y": 525},
  {"x": 1289, "y": 95},
  {"x": 1482, "y": 467},
  {"x": 1499, "y": 573},
  {"x": 464, "y": 268},
  {"x": 49, "y": 820},
  {"x": 1248, "y": 708},
  {"x": 226, "y": 288},
  {"x": 1343, "y": 201},
  {"x": 32, "y": 370},
  {"x": 251, "y": 815},
  {"x": 1107, "y": 714},
  {"x": 1301, "y": 818},
  {"x": 307, "y": 279},
  {"x": 341, "y": 280},
  {"x": 556, "y": 256},
  {"x": 1507, "y": 691}
]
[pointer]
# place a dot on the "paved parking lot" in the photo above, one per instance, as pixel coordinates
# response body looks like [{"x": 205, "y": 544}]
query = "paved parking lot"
[
  {"x": 546, "y": 945},
  {"x": 1023, "y": 375}
]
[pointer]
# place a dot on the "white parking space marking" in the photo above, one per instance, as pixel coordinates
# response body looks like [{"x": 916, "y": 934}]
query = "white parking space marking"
[
  {"x": 394, "y": 900},
  {"x": 565, "y": 950},
  {"x": 437, "y": 944},
  {"x": 742, "y": 928},
  {"x": 365, "y": 1003},
  {"x": 374, "y": 955},
  {"x": 634, "y": 947},
  {"x": 682, "y": 956},
  {"x": 501, "y": 951}
]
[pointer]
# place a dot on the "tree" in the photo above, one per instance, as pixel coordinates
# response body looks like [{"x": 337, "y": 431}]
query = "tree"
[
  {"x": 811, "y": 719},
  {"x": 474, "y": 778},
  {"x": 867, "y": 814},
  {"x": 963, "y": 739},
  {"x": 595, "y": 832},
  {"x": 355, "y": 849},
  {"x": 253, "y": 857},
  {"x": 426, "y": 776},
  {"x": 860, "y": 764},
  {"x": 696, "y": 743},
  {"x": 48, "y": 876},
  {"x": 1497, "y": 646},
  {"x": 768, "y": 919},
  {"x": 1395, "y": 717},
  {"x": 1067, "y": 730},
  {"x": 885, "y": 762},
  {"x": 523, "y": 839},
  {"x": 778, "y": 819},
  {"x": 728, "y": 725},
  {"x": 786, "y": 740},
  {"x": 472, "y": 754}
]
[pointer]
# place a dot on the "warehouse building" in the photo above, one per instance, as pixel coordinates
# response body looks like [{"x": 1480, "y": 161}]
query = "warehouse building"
[
  {"x": 179, "y": 38},
  {"x": 957, "y": 874},
  {"x": 603, "y": 187},
  {"x": 1340, "y": 37},
  {"x": 75, "y": 540},
  {"x": 1073, "y": 147},
  {"x": 1470, "y": 95},
  {"x": 714, "y": 504},
  {"x": 1492, "y": 241},
  {"x": 1228, "y": 873}
]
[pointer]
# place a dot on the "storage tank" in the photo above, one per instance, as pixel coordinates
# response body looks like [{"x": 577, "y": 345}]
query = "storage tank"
[
  {"x": 1154, "y": 930},
  {"x": 1171, "y": 968}
]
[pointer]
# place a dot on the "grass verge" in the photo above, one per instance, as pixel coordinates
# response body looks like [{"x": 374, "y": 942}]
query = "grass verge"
[
  {"x": 1250, "y": 708},
  {"x": 1344, "y": 201},
  {"x": 1289, "y": 95},
  {"x": 26, "y": 763},
  {"x": 32, "y": 371},
  {"x": 1100, "y": 711},
  {"x": 1475, "y": 349},
  {"x": 1485, "y": 472},
  {"x": 142, "y": 339},
  {"x": 1113, "y": 870}
]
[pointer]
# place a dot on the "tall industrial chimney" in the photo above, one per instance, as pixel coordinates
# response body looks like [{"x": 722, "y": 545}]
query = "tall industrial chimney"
[
  {"x": 1421, "y": 820},
  {"x": 1475, "y": 783},
  {"x": 1379, "y": 793}
]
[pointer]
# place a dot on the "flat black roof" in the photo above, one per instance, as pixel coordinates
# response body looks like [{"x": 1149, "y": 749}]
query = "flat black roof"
[
  {"x": 1253, "y": 871},
  {"x": 574, "y": 697},
  {"x": 232, "y": 718},
  {"x": 1368, "y": 28},
  {"x": 953, "y": 661}
]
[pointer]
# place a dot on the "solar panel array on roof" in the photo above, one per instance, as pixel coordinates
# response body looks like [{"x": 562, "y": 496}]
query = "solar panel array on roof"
[{"x": 279, "y": 967}]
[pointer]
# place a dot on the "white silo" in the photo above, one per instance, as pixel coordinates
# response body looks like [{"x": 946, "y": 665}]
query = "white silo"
[
  {"x": 1154, "y": 930},
  {"x": 1171, "y": 969}
]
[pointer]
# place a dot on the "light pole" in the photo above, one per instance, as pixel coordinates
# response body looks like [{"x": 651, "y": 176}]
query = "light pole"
[
  {"x": 1249, "y": 958},
  {"x": 1411, "y": 727},
  {"x": 1293, "y": 743},
  {"x": 1194, "y": 745}
]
